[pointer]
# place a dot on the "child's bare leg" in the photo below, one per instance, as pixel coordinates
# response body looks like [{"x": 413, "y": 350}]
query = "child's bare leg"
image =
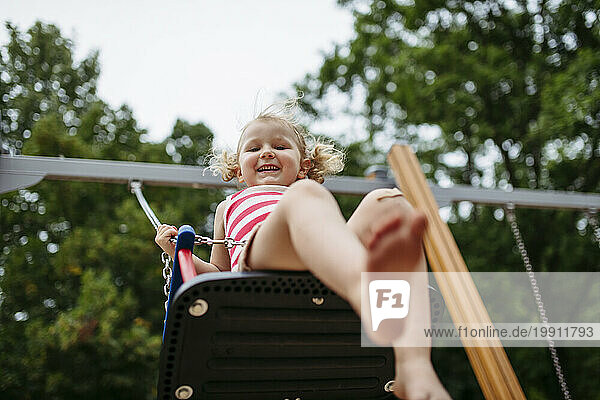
[
  {"x": 307, "y": 231},
  {"x": 397, "y": 236}
]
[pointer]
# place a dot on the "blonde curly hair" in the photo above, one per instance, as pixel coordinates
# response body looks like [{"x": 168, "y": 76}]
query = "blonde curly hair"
[{"x": 325, "y": 158}]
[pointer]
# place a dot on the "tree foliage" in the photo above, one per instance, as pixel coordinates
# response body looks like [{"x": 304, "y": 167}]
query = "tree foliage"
[
  {"x": 80, "y": 282},
  {"x": 511, "y": 81},
  {"x": 494, "y": 94},
  {"x": 81, "y": 303}
]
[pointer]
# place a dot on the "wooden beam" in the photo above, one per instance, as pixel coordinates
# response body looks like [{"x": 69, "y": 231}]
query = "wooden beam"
[{"x": 489, "y": 362}]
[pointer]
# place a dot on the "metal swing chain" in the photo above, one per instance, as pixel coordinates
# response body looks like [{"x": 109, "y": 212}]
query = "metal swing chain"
[
  {"x": 227, "y": 242},
  {"x": 512, "y": 219},
  {"x": 166, "y": 273},
  {"x": 136, "y": 188},
  {"x": 593, "y": 221},
  {"x": 166, "y": 259}
]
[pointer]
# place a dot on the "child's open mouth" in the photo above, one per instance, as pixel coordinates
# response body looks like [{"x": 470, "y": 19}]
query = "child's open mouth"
[{"x": 268, "y": 168}]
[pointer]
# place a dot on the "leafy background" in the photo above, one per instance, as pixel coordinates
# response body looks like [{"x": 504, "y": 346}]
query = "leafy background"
[{"x": 494, "y": 94}]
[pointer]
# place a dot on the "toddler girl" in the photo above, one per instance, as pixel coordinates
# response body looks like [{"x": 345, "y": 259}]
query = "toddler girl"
[{"x": 291, "y": 222}]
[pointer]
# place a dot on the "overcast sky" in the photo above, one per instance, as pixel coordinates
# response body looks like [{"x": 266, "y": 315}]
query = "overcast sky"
[{"x": 203, "y": 61}]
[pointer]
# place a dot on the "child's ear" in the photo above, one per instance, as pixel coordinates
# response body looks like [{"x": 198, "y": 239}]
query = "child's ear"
[
  {"x": 304, "y": 167},
  {"x": 238, "y": 174}
]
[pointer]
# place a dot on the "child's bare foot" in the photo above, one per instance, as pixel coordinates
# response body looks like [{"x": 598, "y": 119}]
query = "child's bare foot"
[
  {"x": 397, "y": 245},
  {"x": 416, "y": 378}
]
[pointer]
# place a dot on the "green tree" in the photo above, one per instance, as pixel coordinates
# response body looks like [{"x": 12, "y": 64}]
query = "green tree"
[
  {"x": 81, "y": 303},
  {"x": 37, "y": 76},
  {"x": 494, "y": 94}
]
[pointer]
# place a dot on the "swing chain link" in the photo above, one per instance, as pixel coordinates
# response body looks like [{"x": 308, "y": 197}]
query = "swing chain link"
[
  {"x": 512, "y": 220},
  {"x": 228, "y": 242},
  {"x": 590, "y": 215},
  {"x": 166, "y": 273}
]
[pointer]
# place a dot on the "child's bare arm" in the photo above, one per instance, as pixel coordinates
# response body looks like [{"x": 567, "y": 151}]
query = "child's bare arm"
[
  {"x": 165, "y": 233},
  {"x": 219, "y": 255}
]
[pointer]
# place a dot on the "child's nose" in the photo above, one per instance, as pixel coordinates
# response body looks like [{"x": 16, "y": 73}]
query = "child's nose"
[{"x": 267, "y": 153}]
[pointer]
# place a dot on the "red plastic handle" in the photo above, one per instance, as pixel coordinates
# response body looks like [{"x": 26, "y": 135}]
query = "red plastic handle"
[{"x": 186, "y": 264}]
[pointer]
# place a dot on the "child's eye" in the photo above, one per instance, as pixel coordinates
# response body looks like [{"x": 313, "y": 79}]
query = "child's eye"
[
  {"x": 280, "y": 147},
  {"x": 253, "y": 149}
]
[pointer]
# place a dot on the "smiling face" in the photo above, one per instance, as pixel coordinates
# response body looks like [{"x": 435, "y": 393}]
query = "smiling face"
[{"x": 269, "y": 154}]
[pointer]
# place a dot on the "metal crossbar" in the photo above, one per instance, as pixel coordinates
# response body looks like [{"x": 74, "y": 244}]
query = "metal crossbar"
[{"x": 19, "y": 172}]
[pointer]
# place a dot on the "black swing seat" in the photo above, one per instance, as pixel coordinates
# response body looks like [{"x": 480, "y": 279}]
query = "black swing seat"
[{"x": 269, "y": 335}]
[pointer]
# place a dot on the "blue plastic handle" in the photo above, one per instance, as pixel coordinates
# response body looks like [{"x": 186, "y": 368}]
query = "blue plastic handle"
[{"x": 185, "y": 240}]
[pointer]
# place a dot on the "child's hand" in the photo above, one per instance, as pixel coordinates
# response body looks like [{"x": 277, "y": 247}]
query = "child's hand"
[{"x": 163, "y": 234}]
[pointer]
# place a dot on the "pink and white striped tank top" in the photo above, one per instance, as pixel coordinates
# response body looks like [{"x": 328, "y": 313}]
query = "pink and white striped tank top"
[{"x": 244, "y": 210}]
